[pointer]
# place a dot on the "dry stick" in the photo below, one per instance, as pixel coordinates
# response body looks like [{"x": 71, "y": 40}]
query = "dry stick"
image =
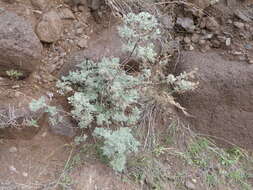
[{"x": 65, "y": 167}]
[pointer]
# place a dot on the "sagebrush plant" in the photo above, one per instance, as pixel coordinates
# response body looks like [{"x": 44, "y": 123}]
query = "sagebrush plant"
[
  {"x": 103, "y": 94},
  {"x": 138, "y": 31},
  {"x": 117, "y": 144}
]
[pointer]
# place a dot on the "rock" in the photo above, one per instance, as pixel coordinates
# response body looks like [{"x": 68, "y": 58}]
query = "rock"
[
  {"x": 211, "y": 24},
  {"x": 82, "y": 43},
  {"x": 40, "y": 4},
  {"x": 49, "y": 29},
  {"x": 190, "y": 185},
  {"x": 24, "y": 174},
  {"x": 187, "y": 40},
  {"x": 228, "y": 42},
  {"x": 66, "y": 13},
  {"x": 250, "y": 59},
  {"x": 239, "y": 25},
  {"x": 241, "y": 15},
  {"x": 13, "y": 169},
  {"x": 63, "y": 125},
  {"x": 248, "y": 46},
  {"x": 167, "y": 21},
  {"x": 200, "y": 3},
  {"x": 19, "y": 46},
  {"x": 195, "y": 38},
  {"x": 207, "y": 36},
  {"x": 186, "y": 23},
  {"x": 13, "y": 149}
]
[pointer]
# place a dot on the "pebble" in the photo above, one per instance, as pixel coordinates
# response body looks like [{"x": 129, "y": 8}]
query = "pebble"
[
  {"x": 228, "y": 42},
  {"x": 13, "y": 149},
  {"x": 187, "y": 40},
  {"x": 207, "y": 36},
  {"x": 13, "y": 169},
  {"x": 195, "y": 38},
  {"x": 15, "y": 86},
  {"x": 190, "y": 185},
  {"x": 239, "y": 25},
  {"x": 25, "y": 174},
  {"x": 191, "y": 48},
  {"x": 82, "y": 43},
  {"x": 187, "y": 23},
  {"x": 248, "y": 46}
]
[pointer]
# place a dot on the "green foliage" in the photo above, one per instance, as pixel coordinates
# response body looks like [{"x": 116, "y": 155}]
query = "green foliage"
[
  {"x": 14, "y": 74},
  {"x": 116, "y": 145},
  {"x": 138, "y": 31},
  {"x": 102, "y": 92},
  {"x": 182, "y": 83}
]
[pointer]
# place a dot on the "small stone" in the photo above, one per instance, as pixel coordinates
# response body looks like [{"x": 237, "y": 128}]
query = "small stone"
[
  {"x": 190, "y": 185},
  {"x": 13, "y": 169},
  {"x": 202, "y": 42},
  {"x": 239, "y": 25},
  {"x": 228, "y": 42},
  {"x": 13, "y": 149},
  {"x": 187, "y": 40},
  {"x": 25, "y": 174},
  {"x": 79, "y": 31},
  {"x": 250, "y": 59},
  {"x": 44, "y": 134},
  {"x": 216, "y": 44},
  {"x": 167, "y": 21},
  {"x": 191, "y": 48},
  {"x": 242, "y": 16},
  {"x": 211, "y": 24},
  {"x": 40, "y": 4},
  {"x": 186, "y": 23},
  {"x": 241, "y": 58},
  {"x": 207, "y": 36},
  {"x": 248, "y": 46},
  {"x": 195, "y": 38},
  {"x": 15, "y": 86},
  {"x": 229, "y": 21},
  {"x": 66, "y": 13},
  {"x": 82, "y": 43}
]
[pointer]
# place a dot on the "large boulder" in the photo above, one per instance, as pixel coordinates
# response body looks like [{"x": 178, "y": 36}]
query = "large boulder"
[
  {"x": 222, "y": 106},
  {"x": 19, "y": 46},
  {"x": 50, "y": 27}
]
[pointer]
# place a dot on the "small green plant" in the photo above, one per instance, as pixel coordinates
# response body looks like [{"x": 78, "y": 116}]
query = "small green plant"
[
  {"x": 117, "y": 144},
  {"x": 14, "y": 74}
]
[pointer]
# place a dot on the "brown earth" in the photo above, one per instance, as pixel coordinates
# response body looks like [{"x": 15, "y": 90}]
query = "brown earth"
[{"x": 222, "y": 105}]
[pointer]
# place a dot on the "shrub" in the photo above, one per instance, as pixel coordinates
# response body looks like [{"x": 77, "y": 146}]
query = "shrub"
[
  {"x": 116, "y": 145},
  {"x": 104, "y": 94},
  {"x": 138, "y": 31}
]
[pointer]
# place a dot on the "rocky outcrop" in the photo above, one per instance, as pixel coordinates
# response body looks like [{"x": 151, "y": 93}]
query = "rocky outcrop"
[{"x": 19, "y": 46}]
